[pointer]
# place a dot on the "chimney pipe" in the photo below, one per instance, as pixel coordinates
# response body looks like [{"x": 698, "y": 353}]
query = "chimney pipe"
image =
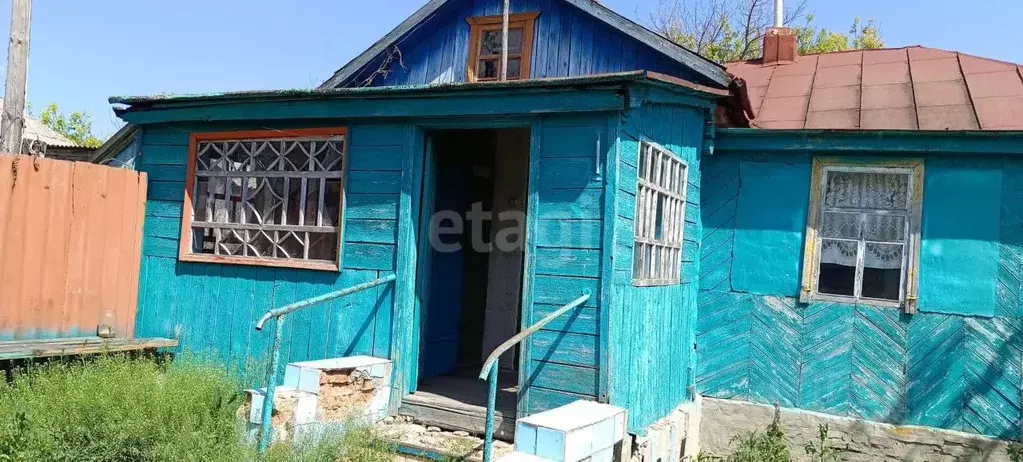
[{"x": 779, "y": 42}]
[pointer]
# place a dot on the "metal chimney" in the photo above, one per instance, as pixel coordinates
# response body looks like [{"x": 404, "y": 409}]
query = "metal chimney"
[{"x": 779, "y": 13}]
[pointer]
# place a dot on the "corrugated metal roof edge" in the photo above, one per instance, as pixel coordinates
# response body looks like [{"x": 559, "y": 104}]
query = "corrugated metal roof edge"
[
  {"x": 597, "y": 79},
  {"x": 880, "y": 142}
]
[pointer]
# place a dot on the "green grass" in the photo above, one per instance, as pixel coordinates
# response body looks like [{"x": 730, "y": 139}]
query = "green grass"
[{"x": 120, "y": 409}]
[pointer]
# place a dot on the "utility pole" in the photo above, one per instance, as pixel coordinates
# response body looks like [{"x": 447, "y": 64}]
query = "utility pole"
[{"x": 12, "y": 119}]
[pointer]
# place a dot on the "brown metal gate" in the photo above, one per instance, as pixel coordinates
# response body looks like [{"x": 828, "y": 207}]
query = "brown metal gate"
[{"x": 70, "y": 246}]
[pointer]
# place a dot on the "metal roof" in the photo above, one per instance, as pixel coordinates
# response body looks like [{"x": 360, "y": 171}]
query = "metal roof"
[
  {"x": 712, "y": 70},
  {"x": 910, "y": 88},
  {"x": 550, "y": 83}
]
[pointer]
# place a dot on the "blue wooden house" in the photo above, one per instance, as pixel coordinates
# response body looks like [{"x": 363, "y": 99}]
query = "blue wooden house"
[{"x": 847, "y": 251}]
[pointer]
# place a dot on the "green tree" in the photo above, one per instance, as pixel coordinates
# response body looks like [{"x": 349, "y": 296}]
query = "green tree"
[
  {"x": 733, "y": 30},
  {"x": 76, "y": 126}
]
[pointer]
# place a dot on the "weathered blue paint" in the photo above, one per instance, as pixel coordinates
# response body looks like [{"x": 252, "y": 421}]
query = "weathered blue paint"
[
  {"x": 769, "y": 223},
  {"x": 213, "y": 307},
  {"x": 955, "y": 364},
  {"x": 574, "y": 226},
  {"x": 567, "y": 42},
  {"x": 651, "y": 329},
  {"x": 961, "y": 225}
]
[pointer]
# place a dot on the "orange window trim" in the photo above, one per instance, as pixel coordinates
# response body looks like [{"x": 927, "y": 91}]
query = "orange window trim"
[
  {"x": 524, "y": 21},
  {"x": 184, "y": 245}
]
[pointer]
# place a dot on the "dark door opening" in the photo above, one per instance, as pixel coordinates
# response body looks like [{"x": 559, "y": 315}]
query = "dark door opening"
[{"x": 470, "y": 274}]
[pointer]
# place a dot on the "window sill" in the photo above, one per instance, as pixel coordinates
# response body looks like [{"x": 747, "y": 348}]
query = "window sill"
[
  {"x": 853, "y": 301},
  {"x": 657, "y": 283},
  {"x": 265, "y": 262}
]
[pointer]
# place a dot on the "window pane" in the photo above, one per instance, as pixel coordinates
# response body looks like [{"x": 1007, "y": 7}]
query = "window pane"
[
  {"x": 490, "y": 43},
  {"x": 882, "y": 271},
  {"x": 837, "y": 267},
  {"x": 890, "y": 228},
  {"x": 514, "y": 41},
  {"x": 842, "y": 225},
  {"x": 659, "y": 220},
  {"x": 885, "y": 191},
  {"x": 487, "y": 69},
  {"x": 514, "y": 68}
]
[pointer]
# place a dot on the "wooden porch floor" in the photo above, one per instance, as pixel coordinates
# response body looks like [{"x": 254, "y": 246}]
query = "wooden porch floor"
[
  {"x": 23, "y": 349},
  {"x": 459, "y": 402}
]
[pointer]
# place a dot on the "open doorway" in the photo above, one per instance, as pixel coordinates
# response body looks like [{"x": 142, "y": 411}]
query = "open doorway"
[{"x": 469, "y": 277}]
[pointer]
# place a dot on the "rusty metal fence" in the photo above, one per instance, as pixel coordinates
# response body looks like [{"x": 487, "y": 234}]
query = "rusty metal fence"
[{"x": 70, "y": 246}]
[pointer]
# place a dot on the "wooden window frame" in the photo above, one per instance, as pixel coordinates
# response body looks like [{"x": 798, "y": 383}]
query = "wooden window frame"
[
  {"x": 909, "y": 288},
  {"x": 477, "y": 25},
  {"x": 673, "y": 217},
  {"x": 185, "y": 244}
]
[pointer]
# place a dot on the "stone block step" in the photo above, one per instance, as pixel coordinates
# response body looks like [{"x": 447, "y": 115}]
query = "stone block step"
[
  {"x": 582, "y": 430},
  {"x": 353, "y": 387}
]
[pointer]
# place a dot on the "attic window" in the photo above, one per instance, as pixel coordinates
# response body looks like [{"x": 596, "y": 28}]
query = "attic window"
[
  {"x": 268, "y": 198},
  {"x": 485, "y": 40}
]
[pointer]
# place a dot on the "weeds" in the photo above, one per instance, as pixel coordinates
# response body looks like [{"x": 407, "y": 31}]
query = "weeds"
[
  {"x": 120, "y": 409},
  {"x": 820, "y": 450},
  {"x": 769, "y": 446}
]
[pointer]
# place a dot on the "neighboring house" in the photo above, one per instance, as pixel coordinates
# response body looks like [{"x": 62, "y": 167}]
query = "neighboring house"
[
  {"x": 37, "y": 138},
  {"x": 120, "y": 150},
  {"x": 859, "y": 254}
]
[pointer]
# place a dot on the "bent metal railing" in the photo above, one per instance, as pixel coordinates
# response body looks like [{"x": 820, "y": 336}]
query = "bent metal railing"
[
  {"x": 265, "y": 429},
  {"x": 490, "y": 368}
]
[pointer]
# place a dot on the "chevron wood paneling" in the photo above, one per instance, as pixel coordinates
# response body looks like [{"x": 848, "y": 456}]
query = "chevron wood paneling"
[
  {"x": 723, "y": 351},
  {"x": 720, "y": 196},
  {"x": 939, "y": 370},
  {"x": 775, "y": 340}
]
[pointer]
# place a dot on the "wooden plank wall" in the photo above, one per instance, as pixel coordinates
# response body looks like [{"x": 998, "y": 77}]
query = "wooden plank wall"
[
  {"x": 564, "y": 358},
  {"x": 213, "y": 308},
  {"x": 567, "y": 43},
  {"x": 652, "y": 368},
  {"x": 959, "y": 371},
  {"x": 70, "y": 237}
]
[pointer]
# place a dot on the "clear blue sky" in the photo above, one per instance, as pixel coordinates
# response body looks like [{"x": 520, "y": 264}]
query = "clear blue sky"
[{"x": 85, "y": 51}]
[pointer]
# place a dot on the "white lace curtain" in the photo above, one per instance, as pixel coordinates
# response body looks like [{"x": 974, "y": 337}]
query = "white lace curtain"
[
  {"x": 879, "y": 256},
  {"x": 867, "y": 190},
  {"x": 884, "y": 192}
]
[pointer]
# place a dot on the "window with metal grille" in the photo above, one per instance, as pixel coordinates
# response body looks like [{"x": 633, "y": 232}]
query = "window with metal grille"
[
  {"x": 660, "y": 217},
  {"x": 269, "y": 198},
  {"x": 863, "y": 232}
]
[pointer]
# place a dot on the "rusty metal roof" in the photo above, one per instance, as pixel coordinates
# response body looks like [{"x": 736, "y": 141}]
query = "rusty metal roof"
[{"x": 911, "y": 88}]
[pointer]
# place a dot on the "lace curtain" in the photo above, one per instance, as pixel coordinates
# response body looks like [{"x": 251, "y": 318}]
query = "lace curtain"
[
  {"x": 879, "y": 256},
  {"x": 865, "y": 190}
]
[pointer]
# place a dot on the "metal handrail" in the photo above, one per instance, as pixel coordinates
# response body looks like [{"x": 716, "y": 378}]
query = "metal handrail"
[
  {"x": 265, "y": 429},
  {"x": 489, "y": 371}
]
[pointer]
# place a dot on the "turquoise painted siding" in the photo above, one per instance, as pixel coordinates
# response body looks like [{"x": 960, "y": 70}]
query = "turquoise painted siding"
[
  {"x": 961, "y": 226},
  {"x": 567, "y": 43},
  {"x": 213, "y": 308},
  {"x": 564, "y": 359},
  {"x": 954, "y": 365},
  {"x": 652, "y": 329}
]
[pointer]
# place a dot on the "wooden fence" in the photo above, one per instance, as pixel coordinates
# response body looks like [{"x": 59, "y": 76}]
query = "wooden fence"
[{"x": 70, "y": 246}]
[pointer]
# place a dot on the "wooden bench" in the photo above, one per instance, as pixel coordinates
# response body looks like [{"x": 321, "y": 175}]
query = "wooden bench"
[{"x": 26, "y": 349}]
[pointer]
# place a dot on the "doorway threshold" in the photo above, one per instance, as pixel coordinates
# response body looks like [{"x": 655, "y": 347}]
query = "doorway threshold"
[{"x": 459, "y": 403}]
